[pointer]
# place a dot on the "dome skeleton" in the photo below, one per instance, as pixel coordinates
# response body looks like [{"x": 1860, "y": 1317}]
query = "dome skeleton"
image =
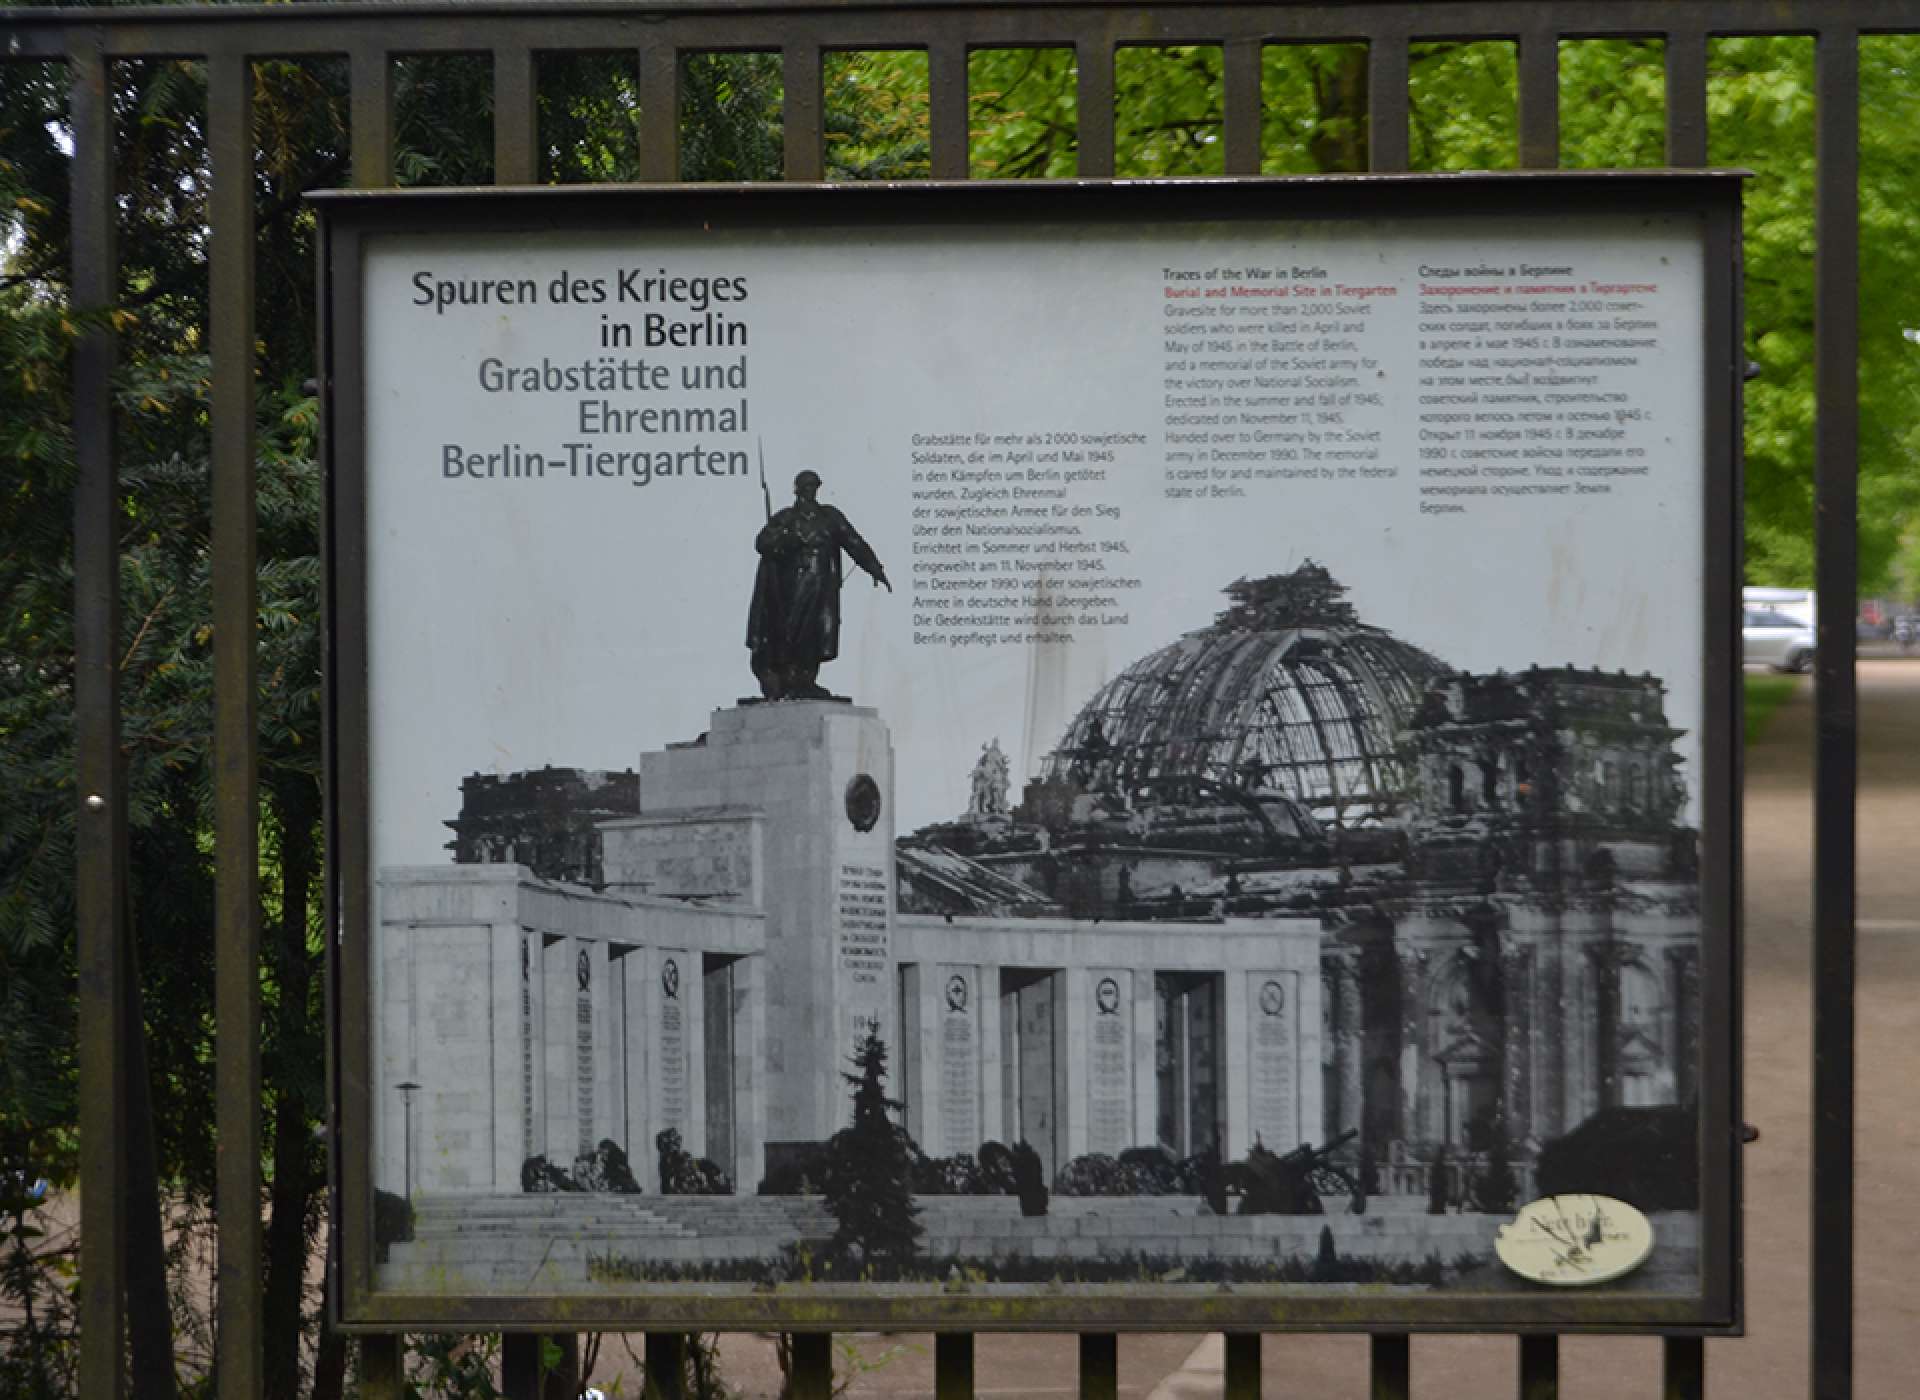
[{"x": 1287, "y": 694}]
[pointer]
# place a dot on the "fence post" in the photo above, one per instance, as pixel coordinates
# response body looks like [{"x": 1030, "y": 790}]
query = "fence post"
[
  {"x": 100, "y": 893},
  {"x": 1099, "y": 1366},
  {"x": 953, "y": 1366}
]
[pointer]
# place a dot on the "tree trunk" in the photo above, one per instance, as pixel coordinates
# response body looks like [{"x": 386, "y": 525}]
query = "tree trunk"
[
  {"x": 294, "y": 801},
  {"x": 1339, "y": 139}
]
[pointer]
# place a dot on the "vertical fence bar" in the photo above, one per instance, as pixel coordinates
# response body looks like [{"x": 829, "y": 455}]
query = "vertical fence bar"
[
  {"x": 1539, "y": 99},
  {"x": 1099, "y": 1366},
  {"x": 1684, "y": 1374},
  {"x": 812, "y": 1366},
  {"x": 516, "y": 117},
  {"x": 1539, "y": 1368},
  {"x": 381, "y": 1375},
  {"x": 240, "y": 1354},
  {"x": 1387, "y": 108},
  {"x": 100, "y": 822},
  {"x": 660, "y": 113},
  {"x": 953, "y": 1366},
  {"x": 947, "y": 110},
  {"x": 520, "y": 1366},
  {"x": 372, "y": 111},
  {"x": 1391, "y": 1361},
  {"x": 1243, "y": 1366},
  {"x": 1687, "y": 99},
  {"x": 1242, "y": 79},
  {"x": 666, "y": 1365},
  {"x": 1836, "y": 758},
  {"x": 1093, "y": 98},
  {"x": 800, "y": 115}
]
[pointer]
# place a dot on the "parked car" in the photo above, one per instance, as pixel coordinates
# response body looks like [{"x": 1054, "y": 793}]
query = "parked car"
[
  {"x": 1773, "y": 639},
  {"x": 1801, "y": 604}
]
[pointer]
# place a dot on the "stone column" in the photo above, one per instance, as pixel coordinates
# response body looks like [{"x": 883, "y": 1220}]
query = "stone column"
[
  {"x": 993, "y": 1104},
  {"x": 1414, "y": 1120},
  {"x": 1516, "y": 1051},
  {"x": 530, "y": 1051},
  {"x": 916, "y": 1058},
  {"x": 1236, "y": 1035},
  {"x": 1349, "y": 1044},
  {"x": 1146, "y": 1051},
  {"x": 1072, "y": 1003},
  {"x": 696, "y": 1004},
  {"x": 1110, "y": 1061},
  {"x": 716, "y": 1061},
  {"x": 635, "y": 982},
  {"x": 749, "y": 1079},
  {"x": 619, "y": 1128},
  {"x": 599, "y": 1042},
  {"x": 953, "y": 1040},
  {"x": 671, "y": 1088},
  {"x": 1683, "y": 1020},
  {"x": 506, "y": 1122},
  {"x": 559, "y": 1047},
  {"x": 1554, "y": 1059},
  {"x": 1275, "y": 1074}
]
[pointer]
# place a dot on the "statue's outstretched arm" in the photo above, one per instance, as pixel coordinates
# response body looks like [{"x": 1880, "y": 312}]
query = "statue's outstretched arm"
[{"x": 862, "y": 554}]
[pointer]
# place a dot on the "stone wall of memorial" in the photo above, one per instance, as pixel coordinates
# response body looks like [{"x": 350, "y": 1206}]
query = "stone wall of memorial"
[
  {"x": 965, "y": 986},
  {"x": 789, "y": 808},
  {"x": 542, "y": 1243},
  {"x": 538, "y": 1020}
]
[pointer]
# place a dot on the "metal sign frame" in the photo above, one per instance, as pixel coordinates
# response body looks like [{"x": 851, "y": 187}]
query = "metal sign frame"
[{"x": 350, "y": 219}]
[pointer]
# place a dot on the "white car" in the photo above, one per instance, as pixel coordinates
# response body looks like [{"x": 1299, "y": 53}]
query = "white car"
[{"x": 1773, "y": 639}]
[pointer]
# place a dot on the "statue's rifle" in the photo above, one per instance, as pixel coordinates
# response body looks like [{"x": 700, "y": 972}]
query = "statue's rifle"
[{"x": 766, "y": 496}]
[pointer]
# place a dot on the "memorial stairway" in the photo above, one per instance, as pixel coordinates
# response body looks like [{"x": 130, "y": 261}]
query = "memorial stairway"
[{"x": 544, "y": 1242}]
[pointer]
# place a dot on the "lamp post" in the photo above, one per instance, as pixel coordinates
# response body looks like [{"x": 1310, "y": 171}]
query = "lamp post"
[{"x": 406, "y": 1088}]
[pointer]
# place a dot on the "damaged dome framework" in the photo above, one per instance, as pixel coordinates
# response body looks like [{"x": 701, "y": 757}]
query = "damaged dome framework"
[{"x": 1286, "y": 696}]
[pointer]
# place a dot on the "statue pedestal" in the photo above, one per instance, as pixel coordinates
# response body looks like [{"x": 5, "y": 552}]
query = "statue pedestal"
[{"x": 787, "y": 807}]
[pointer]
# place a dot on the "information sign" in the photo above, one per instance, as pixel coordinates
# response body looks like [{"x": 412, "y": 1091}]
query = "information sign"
[{"x": 1151, "y": 754}]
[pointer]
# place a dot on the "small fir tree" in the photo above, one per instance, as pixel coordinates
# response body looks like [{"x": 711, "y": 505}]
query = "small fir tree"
[{"x": 869, "y": 1176}]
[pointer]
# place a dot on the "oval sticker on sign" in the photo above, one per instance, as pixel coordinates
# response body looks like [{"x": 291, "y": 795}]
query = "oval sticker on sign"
[{"x": 1575, "y": 1239}]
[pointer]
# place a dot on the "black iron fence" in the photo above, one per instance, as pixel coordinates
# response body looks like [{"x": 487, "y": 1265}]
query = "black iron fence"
[{"x": 659, "y": 36}]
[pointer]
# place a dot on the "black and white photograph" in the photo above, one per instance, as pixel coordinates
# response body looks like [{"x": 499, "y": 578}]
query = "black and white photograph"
[{"x": 1173, "y": 759}]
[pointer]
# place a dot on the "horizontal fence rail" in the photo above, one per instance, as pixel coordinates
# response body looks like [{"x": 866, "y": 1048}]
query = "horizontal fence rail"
[{"x": 658, "y": 37}]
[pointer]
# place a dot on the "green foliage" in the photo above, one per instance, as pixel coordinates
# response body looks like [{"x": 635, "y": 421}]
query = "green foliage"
[
  {"x": 1461, "y": 112},
  {"x": 1760, "y": 115},
  {"x": 1313, "y": 109},
  {"x": 876, "y": 118},
  {"x": 869, "y": 1176},
  {"x": 1613, "y": 103},
  {"x": 37, "y": 1273},
  {"x": 1169, "y": 111},
  {"x": 1022, "y": 114},
  {"x": 452, "y": 1368},
  {"x": 589, "y": 118},
  {"x": 730, "y": 126}
]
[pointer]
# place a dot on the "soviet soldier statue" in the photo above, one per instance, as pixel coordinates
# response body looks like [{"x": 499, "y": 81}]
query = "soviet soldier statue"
[{"x": 794, "y": 623}]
